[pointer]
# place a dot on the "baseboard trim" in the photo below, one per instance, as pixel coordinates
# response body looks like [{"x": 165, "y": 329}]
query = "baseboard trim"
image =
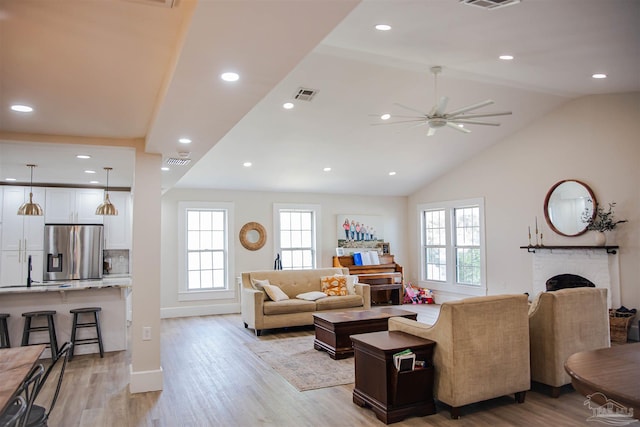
[
  {"x": 144, "y": 381},
  {"x": 199, "y": 310}
]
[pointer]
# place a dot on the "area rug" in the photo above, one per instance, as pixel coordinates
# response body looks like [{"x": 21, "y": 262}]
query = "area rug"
[{"x": 305, "y": 368}]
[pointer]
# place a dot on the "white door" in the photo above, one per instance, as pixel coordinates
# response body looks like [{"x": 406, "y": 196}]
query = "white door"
[
  {"x": 87, "y": 201},
  {"x": 60, "y": 206},
  {"x": 117, "y": 229}
]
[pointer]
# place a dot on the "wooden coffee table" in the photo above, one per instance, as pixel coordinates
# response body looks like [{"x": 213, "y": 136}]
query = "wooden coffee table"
[{"x": 334, "y": 328}]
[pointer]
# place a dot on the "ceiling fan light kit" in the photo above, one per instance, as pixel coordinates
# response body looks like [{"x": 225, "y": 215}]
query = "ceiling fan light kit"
[{"x": 438, "y": 118}]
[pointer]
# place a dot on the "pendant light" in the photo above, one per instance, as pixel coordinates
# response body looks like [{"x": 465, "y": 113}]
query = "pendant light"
[
  {"x": 107, "y": 208},
  {"x": 30, "y": 208}
]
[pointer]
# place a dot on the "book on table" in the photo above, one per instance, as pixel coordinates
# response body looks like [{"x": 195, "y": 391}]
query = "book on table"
[{"x": 404, "y": 360}]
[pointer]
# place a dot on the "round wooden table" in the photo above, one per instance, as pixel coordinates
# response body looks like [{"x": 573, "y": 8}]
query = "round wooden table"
[{"x": 608, "y": 375}]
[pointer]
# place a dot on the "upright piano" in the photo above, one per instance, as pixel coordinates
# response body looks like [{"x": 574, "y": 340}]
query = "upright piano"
[{"x": 386, "y": 279}]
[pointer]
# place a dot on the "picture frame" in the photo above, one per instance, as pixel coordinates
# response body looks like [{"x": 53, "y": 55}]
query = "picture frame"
[
  {"x": 385, "y": 249},
  {"x": 339, "y": 251}
]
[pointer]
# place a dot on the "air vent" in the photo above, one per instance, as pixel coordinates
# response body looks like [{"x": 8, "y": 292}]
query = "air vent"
[
  {"x": 490, "y": 4},
  {"x": 178, "y": 162},
  {"x": 304, "y": 94},
  {"x": 161, "y": 3}
]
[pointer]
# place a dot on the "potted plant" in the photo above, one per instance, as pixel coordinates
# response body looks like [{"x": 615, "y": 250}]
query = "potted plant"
[{"x": 603, "y": 221}]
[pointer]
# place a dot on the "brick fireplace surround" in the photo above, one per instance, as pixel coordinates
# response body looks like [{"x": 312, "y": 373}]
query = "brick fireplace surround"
[{"x": 595, "y": 265}]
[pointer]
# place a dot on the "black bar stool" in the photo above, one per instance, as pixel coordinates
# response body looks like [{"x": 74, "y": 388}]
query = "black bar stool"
[
  {"x": 51, "y": 327},
  {"x": 4, "y": 331},
  {"x": 96, "y": 323}
]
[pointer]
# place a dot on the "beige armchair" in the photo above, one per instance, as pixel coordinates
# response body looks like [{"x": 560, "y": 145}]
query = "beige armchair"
[
  {"x": 482, "y": 349},
  {"x": 562, "y": 323}
]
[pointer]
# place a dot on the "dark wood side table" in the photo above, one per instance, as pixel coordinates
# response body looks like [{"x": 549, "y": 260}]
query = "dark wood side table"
[
  {"x": 393, "y": 395},
  {"x": 333, "y": 329}
]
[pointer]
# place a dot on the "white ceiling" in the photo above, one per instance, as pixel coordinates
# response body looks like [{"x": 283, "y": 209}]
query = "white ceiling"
[{"x": 123, "y": 70}]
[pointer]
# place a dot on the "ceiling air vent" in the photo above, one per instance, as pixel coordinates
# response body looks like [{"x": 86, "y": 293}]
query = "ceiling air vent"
[
  {"x": 490, "y": 4},
  {"x": 178, "y": 162},
  {"x": 304, "y": 94}
]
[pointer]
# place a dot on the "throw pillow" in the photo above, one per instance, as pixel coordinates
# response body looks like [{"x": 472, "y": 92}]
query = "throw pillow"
[
  {"x": 258, "y": 284},
  {"x": 334, "y": 285},
  {"x": 275, "y": 293},
  {"x": 351, "y": 283},
  {"x": 311, "y": 296}
]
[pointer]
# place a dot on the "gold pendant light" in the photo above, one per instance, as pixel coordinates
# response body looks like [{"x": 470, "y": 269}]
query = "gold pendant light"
[
  {"x": 107, "y": 208},
  {"x": 30, "y": 208}
]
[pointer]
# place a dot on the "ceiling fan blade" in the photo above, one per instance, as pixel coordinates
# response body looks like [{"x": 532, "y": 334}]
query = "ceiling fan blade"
[
  {"x": 458, "y": 128},
  {"x": 469, "y": 108},
  {"x": 399, "y": 122},
  {"x": 476, "y": 116},
  {"x": 411, "y": 109},
  {"x": 431, "y": 132},
  {"x": 473, "y": 122},
  {"x": 438, "y": 110}
]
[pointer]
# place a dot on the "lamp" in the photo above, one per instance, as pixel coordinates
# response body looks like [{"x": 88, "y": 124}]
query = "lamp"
[
  {"x": 106, "y": 207},
  {"x": 30, "y": 208}
]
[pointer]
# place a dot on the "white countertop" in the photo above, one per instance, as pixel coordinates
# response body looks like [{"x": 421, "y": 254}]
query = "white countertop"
[{"x": 71, "y": 285}]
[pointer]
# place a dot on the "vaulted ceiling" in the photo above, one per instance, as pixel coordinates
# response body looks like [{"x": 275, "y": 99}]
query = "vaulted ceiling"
[{"x": 106, "y": 73}]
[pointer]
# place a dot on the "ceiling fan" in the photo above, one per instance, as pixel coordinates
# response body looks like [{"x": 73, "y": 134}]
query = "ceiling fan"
[{"x": 455, "y": 119}]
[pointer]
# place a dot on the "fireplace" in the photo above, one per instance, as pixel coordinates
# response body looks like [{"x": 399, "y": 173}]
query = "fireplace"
[
  {"x": 595, "y": 266},
  {"x": 564, "y": 281}
]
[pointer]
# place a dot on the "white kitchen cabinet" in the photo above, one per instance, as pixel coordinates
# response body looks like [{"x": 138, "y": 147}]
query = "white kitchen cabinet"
[
  {"x": 14, "y": 267},
  {"x": 73, "y": 206},
  {"x": 117, "y": 228},
  {"x": 21, "y": 233}
]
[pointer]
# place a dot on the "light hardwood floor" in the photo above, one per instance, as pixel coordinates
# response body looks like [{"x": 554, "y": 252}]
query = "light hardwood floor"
[{"x": 211, "y": 379}]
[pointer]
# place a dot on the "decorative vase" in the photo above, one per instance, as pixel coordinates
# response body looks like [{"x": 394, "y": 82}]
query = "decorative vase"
[{"x": 600, "y": 238}]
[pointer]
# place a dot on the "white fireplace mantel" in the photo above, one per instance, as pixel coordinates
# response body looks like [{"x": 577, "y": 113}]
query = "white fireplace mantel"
[{"x": 599, "y": 264}]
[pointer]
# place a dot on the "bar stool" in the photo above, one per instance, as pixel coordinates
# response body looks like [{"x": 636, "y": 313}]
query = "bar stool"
[
  {"x": 51, "y": 327},
  {"x": 96, "y": 323},
  {"x": 4, "y": 331}
]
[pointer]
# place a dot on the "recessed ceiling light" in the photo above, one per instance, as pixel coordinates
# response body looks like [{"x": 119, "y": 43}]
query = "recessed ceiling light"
[
  {"x": 392, "y": 173},
  {"x": 22, "y": 108},
  {"x": 184, "y": 141},
  {"x": 94, "y": 182},
  {"x": 247, "y": 164},
  {"x": 229, "y": 77},
  {"x": 385, "y": 116},
  {"x": 89, "y": 171},
  {"x": 506, "y": 57},
  {"x": 460, "y": 125},
  {"x": 327, "y": 169},
  {"x": 83, "y": 156},
  {"x": 288, "y": 105},
  {"x": 164, "y": 168},
  {"x": 10, "y": 179},
  {"x": 383, "y": 27},
  {"x": 599, "y": 76}
]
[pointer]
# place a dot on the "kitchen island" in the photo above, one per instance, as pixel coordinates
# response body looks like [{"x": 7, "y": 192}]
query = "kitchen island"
[{"x": 110, "y": 293}]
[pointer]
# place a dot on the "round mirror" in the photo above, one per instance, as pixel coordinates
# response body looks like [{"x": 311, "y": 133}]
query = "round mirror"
[
  {"x": 566, "y": 205},
  {"x": 253, "y": 236}
]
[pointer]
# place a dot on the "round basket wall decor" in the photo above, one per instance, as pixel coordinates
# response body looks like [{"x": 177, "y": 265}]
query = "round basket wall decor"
[{"x": 253, "y": 236}]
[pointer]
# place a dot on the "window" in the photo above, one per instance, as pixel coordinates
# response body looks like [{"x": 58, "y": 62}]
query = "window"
[
  {"x": 205, "y": 247},
  {"x": 296, "y": 235},
  {"x": 452, "y": 236}
]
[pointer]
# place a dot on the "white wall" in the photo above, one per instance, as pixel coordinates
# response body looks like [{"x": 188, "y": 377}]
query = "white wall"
[
  {"x": 258, "y": 207},
  {"x": 594, "y": 139}
]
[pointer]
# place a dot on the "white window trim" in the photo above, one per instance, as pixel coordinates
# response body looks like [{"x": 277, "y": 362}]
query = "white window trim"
[
  {"x": 277, "y": 207},
  {"x": 183, "y": 293},
  {"x": 450, "y": 286}
]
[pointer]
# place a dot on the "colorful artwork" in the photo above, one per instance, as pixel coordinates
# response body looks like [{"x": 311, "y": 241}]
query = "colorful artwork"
[{"x": 360, "y": 231}]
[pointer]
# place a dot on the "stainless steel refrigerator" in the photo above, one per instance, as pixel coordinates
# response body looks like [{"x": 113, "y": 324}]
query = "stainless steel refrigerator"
[{"x": 73, "y": 251}]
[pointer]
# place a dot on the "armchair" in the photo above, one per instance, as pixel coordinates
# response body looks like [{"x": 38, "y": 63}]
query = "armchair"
[
  {"x": 562, "y": 323},
  {"x": 482, "y": 349}
]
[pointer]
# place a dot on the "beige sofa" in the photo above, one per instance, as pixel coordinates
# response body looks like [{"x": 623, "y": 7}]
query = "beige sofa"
[
  {"x": 259, "y": 312},
  {"x": 562, "y": 323},
  {"x": 482, "y": 349}
]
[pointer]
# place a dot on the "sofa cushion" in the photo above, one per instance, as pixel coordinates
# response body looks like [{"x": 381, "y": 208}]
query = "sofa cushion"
[
  {"x": 311, "y": 296},
  {"x": 288, "y": 306},
  {"x": 334, "y": 285},
  {"x": 275, "y": 293},
  {"x": 336, "y": 302}
]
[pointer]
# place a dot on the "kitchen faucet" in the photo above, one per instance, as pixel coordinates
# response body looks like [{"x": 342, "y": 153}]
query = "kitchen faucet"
[{"x": 29, "y": 272}]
